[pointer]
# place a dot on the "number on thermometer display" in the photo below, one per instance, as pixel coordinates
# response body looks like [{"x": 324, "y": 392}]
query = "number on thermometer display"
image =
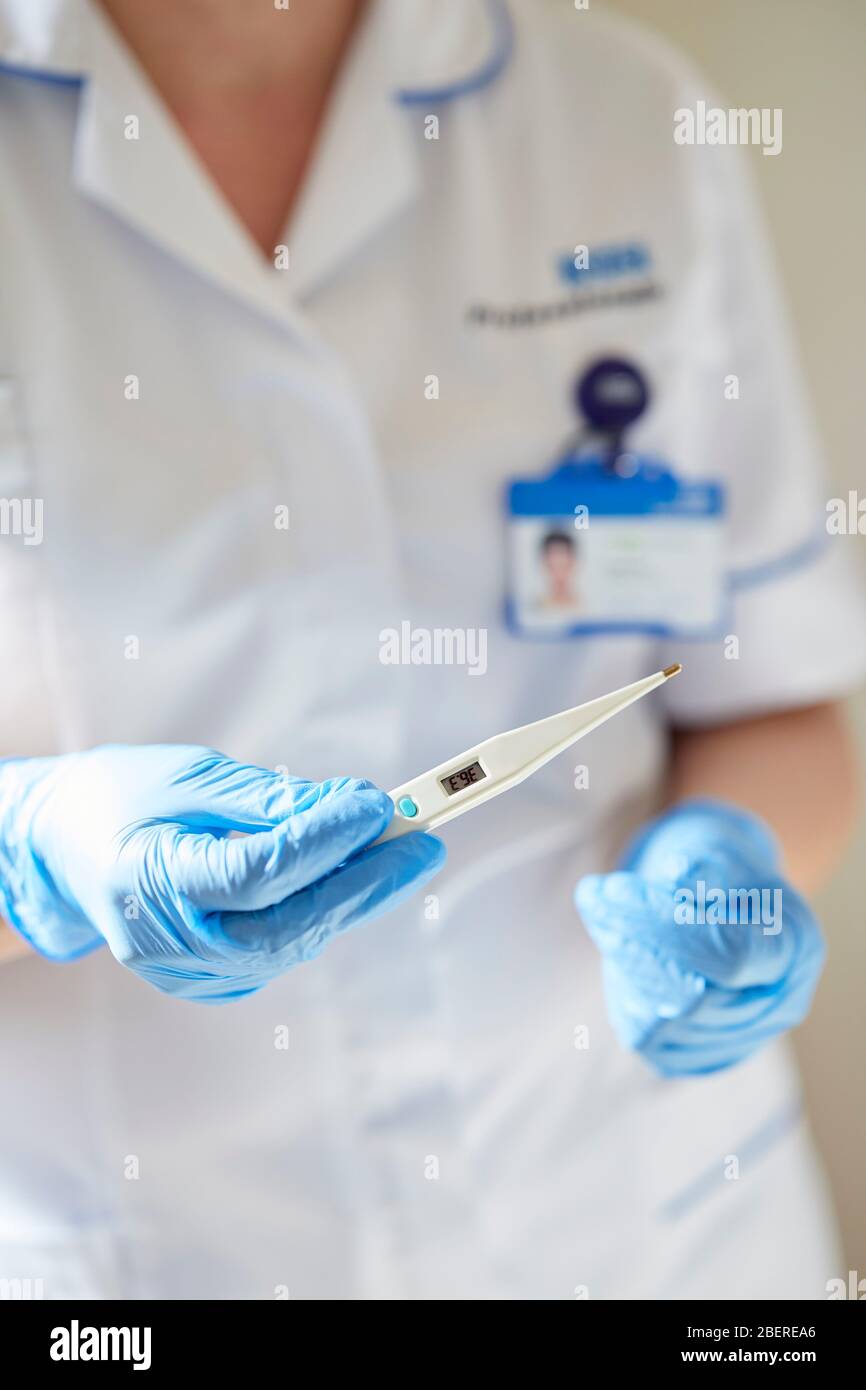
[{"x": 466, "y": 777}]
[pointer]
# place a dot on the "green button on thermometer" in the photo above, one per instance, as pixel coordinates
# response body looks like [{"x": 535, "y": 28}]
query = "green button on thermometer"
[{"x": 492, "y": 767}]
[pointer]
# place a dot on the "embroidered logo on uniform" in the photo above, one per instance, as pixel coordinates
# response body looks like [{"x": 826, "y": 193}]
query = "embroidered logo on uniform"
[
  {"x": 587, "y": 263},
  {"x": 590, "y": 272}
]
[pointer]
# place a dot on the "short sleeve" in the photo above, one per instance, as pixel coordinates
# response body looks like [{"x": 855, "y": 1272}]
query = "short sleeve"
[{"x": 798, "y": 609}]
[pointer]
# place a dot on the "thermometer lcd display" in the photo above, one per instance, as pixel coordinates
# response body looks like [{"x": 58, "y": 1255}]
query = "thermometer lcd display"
[{"x": 466, "y": 777}]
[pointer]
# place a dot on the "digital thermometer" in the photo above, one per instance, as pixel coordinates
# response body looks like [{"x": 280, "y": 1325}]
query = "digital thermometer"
[{"x": 482, "y": 772}]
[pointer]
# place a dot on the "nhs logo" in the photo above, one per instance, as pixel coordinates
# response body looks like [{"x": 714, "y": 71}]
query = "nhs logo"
[{"x": 591, "y": 264}]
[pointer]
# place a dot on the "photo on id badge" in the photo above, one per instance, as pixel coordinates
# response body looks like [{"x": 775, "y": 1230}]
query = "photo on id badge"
[
  {"x": 614, "y": 541},
  {"x": 547, "y": 568},
  {"x": 592, "y": 552}
]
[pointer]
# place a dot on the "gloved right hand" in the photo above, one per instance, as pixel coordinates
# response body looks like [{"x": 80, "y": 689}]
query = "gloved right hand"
[{"x": 130, "y": 846}]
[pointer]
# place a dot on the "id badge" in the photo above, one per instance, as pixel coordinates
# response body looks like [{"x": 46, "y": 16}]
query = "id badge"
[{"x": 591, "y": 551}]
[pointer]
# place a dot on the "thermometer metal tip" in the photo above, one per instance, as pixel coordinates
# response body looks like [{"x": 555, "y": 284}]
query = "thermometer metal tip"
[{"x": 505, "y": 760}]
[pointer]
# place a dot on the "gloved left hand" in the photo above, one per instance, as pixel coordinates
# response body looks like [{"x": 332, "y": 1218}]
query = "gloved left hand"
[{"x": 697, "y": 975}]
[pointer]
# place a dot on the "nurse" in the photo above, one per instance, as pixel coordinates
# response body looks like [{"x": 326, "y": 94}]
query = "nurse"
[{"x": 282, "y": 307}]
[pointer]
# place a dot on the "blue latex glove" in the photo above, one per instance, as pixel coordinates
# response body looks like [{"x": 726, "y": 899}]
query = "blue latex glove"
[
  {"x": 689, "y": 993},
  {"x": 130, "y": 845}
]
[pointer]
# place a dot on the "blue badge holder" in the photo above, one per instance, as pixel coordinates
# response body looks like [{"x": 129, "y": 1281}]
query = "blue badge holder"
[{"x": 622, "y": 545}]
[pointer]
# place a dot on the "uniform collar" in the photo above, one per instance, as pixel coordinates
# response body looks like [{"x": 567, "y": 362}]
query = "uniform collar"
[
  {"x": 446, "y": 48},
  {"x": 449, "y": 48},
  {"x": 43, "y": 38},
  {"x": 407, "y": 53}
]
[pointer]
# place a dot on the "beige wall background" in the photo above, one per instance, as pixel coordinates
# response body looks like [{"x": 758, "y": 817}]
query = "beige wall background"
[{"x": 807, "y": 58}]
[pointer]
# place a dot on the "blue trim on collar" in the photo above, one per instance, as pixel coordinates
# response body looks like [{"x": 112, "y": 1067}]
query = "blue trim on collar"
[
  {"x": 503, "y": 50},
  {"x": 57, "y": 79}
]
